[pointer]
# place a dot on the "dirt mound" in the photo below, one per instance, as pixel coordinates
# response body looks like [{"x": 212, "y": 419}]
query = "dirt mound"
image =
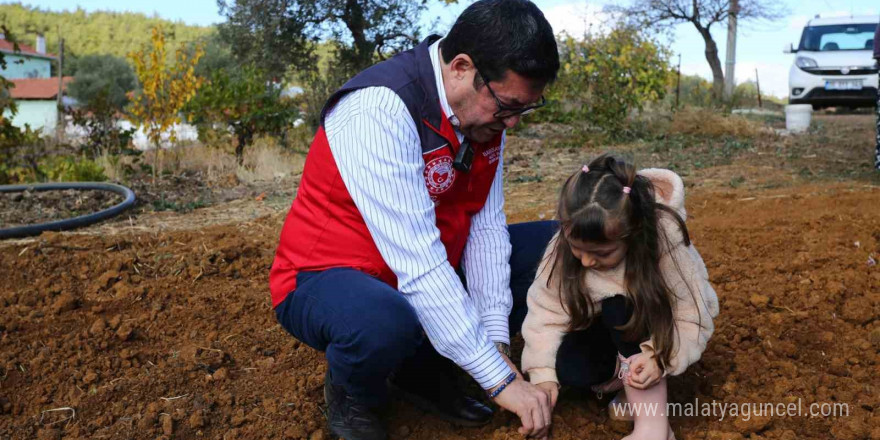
[{"x": 172, "y": 333}]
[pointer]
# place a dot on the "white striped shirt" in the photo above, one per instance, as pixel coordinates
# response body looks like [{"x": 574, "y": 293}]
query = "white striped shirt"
[{"x": 377, "y": 150}]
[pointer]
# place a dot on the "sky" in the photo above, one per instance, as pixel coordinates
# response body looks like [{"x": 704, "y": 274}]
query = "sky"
[{"x": 759, "y": 45}]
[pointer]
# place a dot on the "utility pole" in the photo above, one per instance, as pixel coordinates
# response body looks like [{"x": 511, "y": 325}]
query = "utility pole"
[
  {"x": 59, "y": 124},
  {"x": 678, "y": 82},
  {"x": 758, "y": 84},
  {"x": 729, "y": 80}
]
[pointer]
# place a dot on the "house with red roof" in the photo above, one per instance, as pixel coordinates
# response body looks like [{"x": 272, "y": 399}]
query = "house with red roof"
[{"x": 35, "y": 91}]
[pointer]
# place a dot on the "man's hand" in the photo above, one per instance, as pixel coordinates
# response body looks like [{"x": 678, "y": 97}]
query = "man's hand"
[
  {"x": 531, "y": 404},
  {"x": 552, "y": 390},
  {"x": 644, "y": 372}
]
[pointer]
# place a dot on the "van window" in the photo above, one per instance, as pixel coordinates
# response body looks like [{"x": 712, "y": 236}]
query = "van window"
[{"x": 838, "y": 37}]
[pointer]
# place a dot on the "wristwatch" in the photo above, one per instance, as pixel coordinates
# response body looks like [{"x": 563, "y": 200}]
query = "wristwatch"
[{"x": 503, "y": 348}]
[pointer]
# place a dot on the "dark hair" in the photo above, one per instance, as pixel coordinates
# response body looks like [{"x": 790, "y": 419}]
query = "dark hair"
[
  {"x": 593, "y": 207},
  {"x": 502, "y": 35}
]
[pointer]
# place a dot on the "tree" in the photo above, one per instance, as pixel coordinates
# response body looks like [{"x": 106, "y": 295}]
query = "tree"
[
  {"x": 321, "y": 83},
  {"x": 604, "y": 76},
  {"x": 376, "y": 29},
  {"x": 702, "y": 14},
  {"x": 10, "y": 135},
  {"x": 102, "y": 85},
  {"x": 105, "y": 75},
  {"x": 6, "y": 101},
  {"x": 275, "y": 34},
  {"x": 99, "y": 118},
  {"x": 20, "y": 147},
  {"x": 165, "y": 89},
  {"x": 91, "y": 33},
  {"x": 695, "y": 91},
  {"x": 271, "y": 34},
  {"x": 218, "y": 55},
  {"x": 243, "y": 101}
]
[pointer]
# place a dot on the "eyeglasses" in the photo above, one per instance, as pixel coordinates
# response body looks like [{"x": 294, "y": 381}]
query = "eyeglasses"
[{"x": 506, "y": 111}]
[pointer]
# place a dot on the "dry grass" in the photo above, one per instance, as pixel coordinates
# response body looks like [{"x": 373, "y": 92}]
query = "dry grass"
[
  {"x": 114, "y": 166},
  {"x": 212, "y": 162},
  {"x": 707, "y": 123},
  {"x": 266, "y": 160},
  {"x": 263, "y": 161}
]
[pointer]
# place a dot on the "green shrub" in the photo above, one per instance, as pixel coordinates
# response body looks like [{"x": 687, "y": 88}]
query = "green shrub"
[
  {"x": 99, "y": 118},
  {"x": 21, "y": 149},
  {"x": 605, "y": 76},
  {"x": 694, "y": 91},
  {"x": 71, "y": 169},
  {"x": 106, "y": 78},
  {"x": 242, "y": 104}
]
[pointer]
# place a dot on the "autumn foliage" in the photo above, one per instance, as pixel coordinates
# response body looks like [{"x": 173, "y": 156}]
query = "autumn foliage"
[{"x": 165, "y": 89}]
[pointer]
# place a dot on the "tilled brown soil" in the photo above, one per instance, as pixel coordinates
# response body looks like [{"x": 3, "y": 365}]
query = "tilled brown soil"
[
  {"x": 30, "y": 207},
  {"x": 172, "y": 334}
]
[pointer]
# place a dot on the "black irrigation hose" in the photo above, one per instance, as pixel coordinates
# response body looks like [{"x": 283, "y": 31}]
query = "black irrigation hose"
[{"x": 70, "y": 223}]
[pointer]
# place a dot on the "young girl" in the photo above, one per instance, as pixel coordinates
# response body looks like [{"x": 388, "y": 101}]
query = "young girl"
[{"x": 622, "y": 255}]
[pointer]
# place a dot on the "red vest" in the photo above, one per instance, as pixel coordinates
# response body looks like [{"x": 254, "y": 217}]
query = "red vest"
[{"x": 324, "y": 229}]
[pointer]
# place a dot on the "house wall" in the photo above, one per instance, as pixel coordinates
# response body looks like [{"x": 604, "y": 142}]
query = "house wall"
[
  {"x": 40, "y": 115},
  {"x": 18, "y": 66}
]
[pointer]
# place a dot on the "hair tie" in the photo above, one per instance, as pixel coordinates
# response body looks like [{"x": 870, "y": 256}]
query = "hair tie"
[
  {"x": 585, "y": 169},
  {"x": 626, "y": 189}
]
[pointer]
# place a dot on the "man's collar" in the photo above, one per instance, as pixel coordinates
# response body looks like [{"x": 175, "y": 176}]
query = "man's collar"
[{"x": 437, "y": 64}]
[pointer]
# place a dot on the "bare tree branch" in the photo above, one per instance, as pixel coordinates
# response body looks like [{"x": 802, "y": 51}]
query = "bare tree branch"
[{"x": 702, "y": 14}]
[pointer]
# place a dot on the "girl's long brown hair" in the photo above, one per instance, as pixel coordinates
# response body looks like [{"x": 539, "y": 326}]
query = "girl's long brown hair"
[{"x": 593, "y": 207}]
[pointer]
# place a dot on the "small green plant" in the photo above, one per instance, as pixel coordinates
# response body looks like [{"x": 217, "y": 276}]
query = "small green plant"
[
  {"x": 524, "y": 179},
  {"x": 71, "y": 169},
  {"x": 733, "y": 146}
]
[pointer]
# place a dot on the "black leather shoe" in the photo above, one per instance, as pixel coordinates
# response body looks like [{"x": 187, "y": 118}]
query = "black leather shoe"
[
  {"x": 348, "y": 418},
  {"x": 446, "y": 402}
]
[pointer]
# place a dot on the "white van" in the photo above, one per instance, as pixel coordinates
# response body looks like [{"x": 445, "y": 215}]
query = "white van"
[{"x": 834, "y": 65}]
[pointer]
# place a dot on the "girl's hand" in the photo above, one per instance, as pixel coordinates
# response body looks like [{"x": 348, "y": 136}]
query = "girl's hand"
[
  {"x": 552, "y": 390},
  {"x": 644, "y": 372}
]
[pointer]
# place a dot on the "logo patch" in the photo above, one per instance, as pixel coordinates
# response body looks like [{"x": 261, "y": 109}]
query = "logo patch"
[
  {"x": 493, "y": 154},
  {"x": 439, "y": 175}
]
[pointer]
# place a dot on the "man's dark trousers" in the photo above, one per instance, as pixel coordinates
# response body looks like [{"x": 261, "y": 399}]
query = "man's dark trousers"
[{"x": 368, "y": 330}]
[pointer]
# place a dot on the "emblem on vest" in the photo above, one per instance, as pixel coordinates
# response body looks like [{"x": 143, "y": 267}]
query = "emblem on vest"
[{"x": 439, "y": 175}]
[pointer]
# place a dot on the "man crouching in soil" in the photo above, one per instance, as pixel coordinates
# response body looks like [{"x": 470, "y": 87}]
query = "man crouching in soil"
[{"x": 396, "y": 247}]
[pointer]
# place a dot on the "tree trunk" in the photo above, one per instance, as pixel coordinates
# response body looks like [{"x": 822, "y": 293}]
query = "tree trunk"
[
  {"x": 714, "y": 63},
  {"x": 245, "y": 136},
  {"x": 155, "y": 160},
  {"x": 357, "y": 24}
]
